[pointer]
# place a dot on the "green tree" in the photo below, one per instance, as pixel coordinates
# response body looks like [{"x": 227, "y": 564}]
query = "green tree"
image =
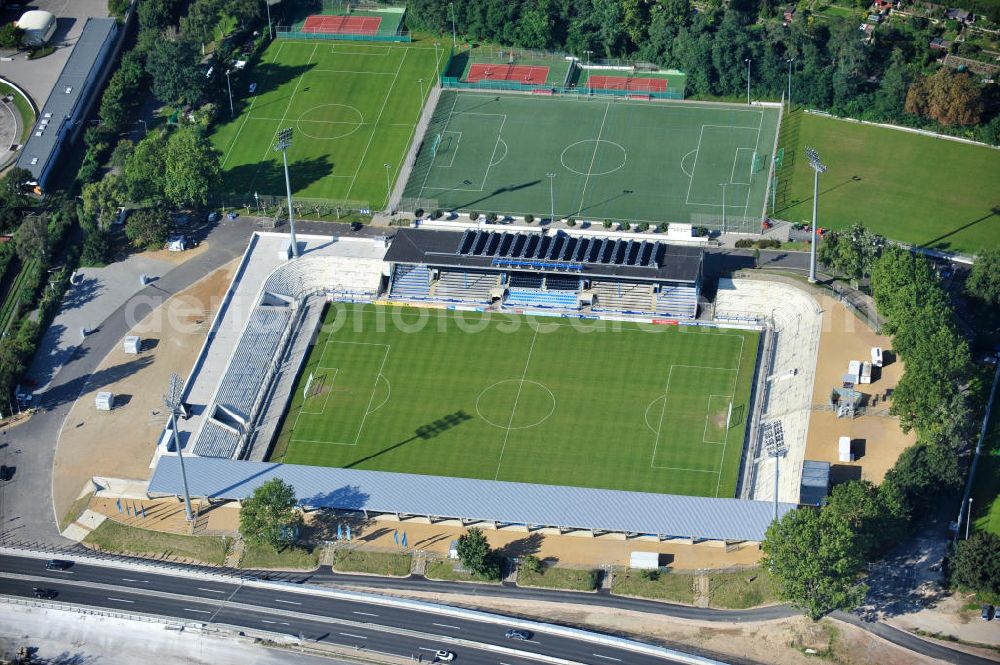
[
  {"x": 101, "y": 201},
  {"x": 192, "y": 167},
  {"x": 816, "y": 559},
  {"x": 923, "y": 473},
  {"x": 476, "y": 555},
  {"x": 851, "y": 252},
  {"x": 32, "y": 240},
  {"x": 144, "y": 175},
  {"x": 875, "y": 516},
  {"x": 531, "y": 564},
  {"x": 975, "y": 564},
  {"x": 148, "y": 228},
  {"x": 10, "y": 35},
  {"x": 173, "y": 66},
  {"x": 984, "y": 278},
  {"x": 271, "y": 516},
  {"x": 117, "y": 8}
]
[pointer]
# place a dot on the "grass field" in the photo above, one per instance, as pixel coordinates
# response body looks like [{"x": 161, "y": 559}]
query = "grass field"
[
  {"x": 353, "y": 108},
  {"x": 612, "y": 405},
  {"x": 621, "y": 160},
  {"x": 985, "y": 488},
  {"x": 912, "y": 188}
]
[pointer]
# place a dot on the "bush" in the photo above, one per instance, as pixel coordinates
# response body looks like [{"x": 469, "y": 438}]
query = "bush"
[
  {"x": 650, "y": 575},
  {"x": 768, "y": 243},
  {"x": 528, "y": 219},
  {"x": 473, "y": 216},
  {"x": 571, "y": 222},
  {"x": 626, "y": 226},
  {"x": 744, "y": 243},
  {"x": 644, "y": 226},
  {"x": 607, "y": 223},
  {"x": 418, "y": 213},
  {"x": 436, "y": 214},
  {"x": 662, "y": 227},
  {"x": 701, "y": 231},
  {"x": 491, "y": 217},
  {"x": 531, "y": 564}
]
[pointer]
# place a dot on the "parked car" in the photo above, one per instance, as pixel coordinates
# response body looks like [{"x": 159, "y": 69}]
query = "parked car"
[
  {"x": 6, "y": 472},
  {"x": 213, "y": 216},
  {"x": 58, "y": 564},
  {"x": 514, "y": 634},
  {"x": 988, "y": 612},
  {"x": 356, "y": 226},
  {"x": 253, "y": 88}
]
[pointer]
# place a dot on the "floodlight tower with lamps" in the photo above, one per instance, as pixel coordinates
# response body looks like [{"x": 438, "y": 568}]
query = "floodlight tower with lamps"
[
  {"x": 552, "y": 196},
  {"x": 230, "y": 86},
  {"x": 790, "y": 61},
  {"x": 270, "y": 30},
  {"x": 817, "y": 167},
  {"x": 421, "y": 82},
  {"x": 285, "y": 140},
  {"x": 454, "y": 38},
  {"x": 172, "y": 400},
  {"x": 723, "y": 185},
  {"x": 747, "y": 60}
]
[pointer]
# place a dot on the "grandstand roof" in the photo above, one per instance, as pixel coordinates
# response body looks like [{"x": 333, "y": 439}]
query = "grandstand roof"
[
  {"x": 598, "y": 256},
  {"x": 489, "y": 500}
]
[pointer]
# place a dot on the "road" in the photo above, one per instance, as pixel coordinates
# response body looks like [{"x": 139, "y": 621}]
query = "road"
[{"x": 316, "y": 617}]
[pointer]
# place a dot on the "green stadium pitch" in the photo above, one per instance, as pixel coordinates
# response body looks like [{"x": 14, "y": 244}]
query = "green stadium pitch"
[
  {"x": 612, "y": 158},
  {"x": 353, "y": 108},
  {"x": 585, "y": 403}
]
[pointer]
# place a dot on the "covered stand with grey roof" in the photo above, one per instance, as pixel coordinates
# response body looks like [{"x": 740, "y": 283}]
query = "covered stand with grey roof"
[
  {"x": 504, "y": 503},
  {"x": 67, "y": 104}
]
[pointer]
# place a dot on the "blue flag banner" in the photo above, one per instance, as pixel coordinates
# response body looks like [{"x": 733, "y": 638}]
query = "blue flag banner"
[
  {"x": 395, "y": 536},
  {"x": 143, "y": 510},
  {"x": 348, "y": 533},
  {"x": 340, "y": 532},
  {"x": 118, "y": 502},
  {"x": 404, "y": 539}
]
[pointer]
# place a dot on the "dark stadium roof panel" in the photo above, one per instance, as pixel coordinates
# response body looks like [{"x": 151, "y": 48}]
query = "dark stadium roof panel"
[
  {"x": 598, "y": 256},
  {"x": 505, "y": 502}
]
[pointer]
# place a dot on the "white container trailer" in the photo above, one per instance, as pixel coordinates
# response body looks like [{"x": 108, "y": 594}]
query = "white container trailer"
[
  {"x": 104, "y": 401},
  {"x": 844, "y": 453},
  {"x": 866, "y": 372},
  {"x": 644, "y": 560}
]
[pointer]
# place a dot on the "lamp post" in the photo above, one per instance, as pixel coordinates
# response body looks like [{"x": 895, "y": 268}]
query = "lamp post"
[
  {"x": 552, "y": 196},
  {"x": 229, "y": 85},
  {"x": 145, "y": 128},
  {"x": 790, "y": 61},
  {"x": 421, "y": 82},
  {"x": 968, "y": 519},
  {"x": 454, "y": 38},
  {"x": 270, "y": 30},
  {"x": 747, "y": 60},
  {"x": 172, "y": 400},
  {"x": 437, "y": 56},
  {"x": 588, "y": 52},
  {"x": 818, "y": 167},
  {"x": 285, "y": 140},
  {"x": 388, "y": 185},
  {"x": 723, "y": 185}
]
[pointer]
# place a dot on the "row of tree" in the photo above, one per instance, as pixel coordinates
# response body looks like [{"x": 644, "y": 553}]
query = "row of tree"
[
  {"x": 819, "y": 555},
  {"x": 831, "y": 67}
]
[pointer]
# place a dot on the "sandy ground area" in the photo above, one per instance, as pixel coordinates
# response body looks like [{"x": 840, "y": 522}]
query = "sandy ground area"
[
  {"x": 73, "y": 638},
  {"x": 120, "y": 443},
  {"x": 876, "y": 439},
  {"x": 782, "y": 642},
  {"x": 948, "y": 618}
]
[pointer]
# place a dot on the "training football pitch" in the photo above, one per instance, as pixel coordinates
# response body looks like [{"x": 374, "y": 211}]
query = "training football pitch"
[
  {"x": 595, "y": 158},
  {"x": 584, "y": 403},
  {"x": 352, "y": 108}
]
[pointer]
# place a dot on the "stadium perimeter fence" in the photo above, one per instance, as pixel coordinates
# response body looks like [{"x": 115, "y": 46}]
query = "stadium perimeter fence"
[{"x": 270, "y": 204}]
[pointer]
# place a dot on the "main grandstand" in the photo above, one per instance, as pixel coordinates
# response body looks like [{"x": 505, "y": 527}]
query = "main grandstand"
[{"x": 248, "y": 374}]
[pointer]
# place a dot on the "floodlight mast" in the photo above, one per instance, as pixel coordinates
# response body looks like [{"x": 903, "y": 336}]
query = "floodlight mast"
[
  {"x": 172, "y": 400},
  {"x": 285, "y": 140},
  {"x": 817, "y": 167}
]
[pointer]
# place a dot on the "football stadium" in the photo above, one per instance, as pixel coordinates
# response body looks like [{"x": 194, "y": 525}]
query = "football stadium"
[{"x": 585, "y": 379}]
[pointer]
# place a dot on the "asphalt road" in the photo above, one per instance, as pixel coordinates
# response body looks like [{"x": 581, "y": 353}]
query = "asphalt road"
[{"x": 369, "y": 626}]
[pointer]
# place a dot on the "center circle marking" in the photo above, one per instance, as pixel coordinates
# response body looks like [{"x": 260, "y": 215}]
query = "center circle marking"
[
  {"x": 330, "y": 121},
  {"x": 582, "y": 153},
  {"x": 496, "y": 402}
]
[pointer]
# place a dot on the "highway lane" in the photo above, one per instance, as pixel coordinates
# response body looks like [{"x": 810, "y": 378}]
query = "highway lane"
[{"x": 270, "y": 609}]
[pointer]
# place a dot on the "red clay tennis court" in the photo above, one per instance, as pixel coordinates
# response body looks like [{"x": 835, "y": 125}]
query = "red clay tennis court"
[
  {"x": 342, "y": 25},
  {"x": 627, "y": 83},
  {"x": 521, "y": 73}
]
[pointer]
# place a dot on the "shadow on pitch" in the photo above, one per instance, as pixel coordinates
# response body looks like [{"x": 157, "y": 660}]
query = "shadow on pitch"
[{"x": 422, "y": 433}]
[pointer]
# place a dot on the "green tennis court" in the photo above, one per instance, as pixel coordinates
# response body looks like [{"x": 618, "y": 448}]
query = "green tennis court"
[
  {"x": 605, "y": 404},
  {"x": 595, "y": 158}
]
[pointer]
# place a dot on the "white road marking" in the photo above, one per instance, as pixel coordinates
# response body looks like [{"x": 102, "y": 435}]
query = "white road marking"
[
  {"x": 607, "y": 657},
  {"x": 367, "y": 614},
  {"x": 266, "y": 621},
  {"x": 120, "y": 600},
  {"x": 211, "y": 590},
  {"x": 287, "y": 602},
  {"x": 444, "y": 625},
  {"x": 360, "y": 637},
  {"x": 191, "y": 609}
]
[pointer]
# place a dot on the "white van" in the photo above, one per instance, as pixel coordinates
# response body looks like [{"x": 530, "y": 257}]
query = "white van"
[{"x": 876, "y": 356}]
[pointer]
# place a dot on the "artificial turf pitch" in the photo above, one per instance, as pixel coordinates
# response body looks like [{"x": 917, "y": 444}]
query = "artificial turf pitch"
[
  {"x": 352, "y": 107},
  {"x": 611, "y": 158},
  {"x": 530, "y": 399}
]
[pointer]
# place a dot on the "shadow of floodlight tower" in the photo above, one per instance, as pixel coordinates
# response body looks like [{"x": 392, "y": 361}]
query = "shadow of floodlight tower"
[
  {"x": 817, "y": 167},
  {"x": 285, "y": 140}
]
